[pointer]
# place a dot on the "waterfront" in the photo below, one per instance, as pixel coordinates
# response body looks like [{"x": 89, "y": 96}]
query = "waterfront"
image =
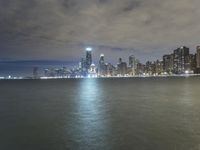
[{"x": 113, "y": 113}]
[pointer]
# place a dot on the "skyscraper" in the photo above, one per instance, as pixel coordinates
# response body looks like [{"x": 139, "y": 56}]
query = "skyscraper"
[
  {"x": 122, "y": 67},
  {"x": 88, "y": 58},
  {"x": 158, "y": 67},
  {"x": 132, "y": 65},
  {"x": 166, "y": 63},
  {"x": 181, "y": 60},
  {"x": 83, "y": 67},
  {"x": 150, "y": 68},
  {"x": 198, "y": 58},
  {"x": 102, "y": 69},
  {"x": 192, "y": 63}
]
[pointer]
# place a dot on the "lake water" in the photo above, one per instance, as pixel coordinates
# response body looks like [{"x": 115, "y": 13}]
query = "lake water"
[{"x": 100, "y": 114}]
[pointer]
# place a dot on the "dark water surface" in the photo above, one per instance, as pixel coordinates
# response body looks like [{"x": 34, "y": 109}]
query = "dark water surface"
[{"x": 100, "y": 114}]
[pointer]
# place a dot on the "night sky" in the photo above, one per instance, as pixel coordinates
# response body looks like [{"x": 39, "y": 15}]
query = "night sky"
[{"x": 53, "y": 32}]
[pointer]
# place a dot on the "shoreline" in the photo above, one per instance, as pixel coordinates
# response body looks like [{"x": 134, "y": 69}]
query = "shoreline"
[{"x": 113, "y": 77}]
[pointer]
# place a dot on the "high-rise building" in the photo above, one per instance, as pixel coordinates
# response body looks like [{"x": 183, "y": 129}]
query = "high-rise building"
[
  {"x": 181, "y": 60},
  {"x": 192, "y": 63},
  {"x": 83, "y": 67},
  {"x": 102, "y": 67},
  {"x": 122, "y": 67},
  {"x": 110, "y": 70},
  {"x": 140, "y": 70},
  {"x": 166, "y": 63},
  {"x": 150, "y": 68},
  {"x": 132, "y": 65},
  {"x": 88, "y": 58},
  {"x": 171, "y": 65},
  {"x": 158, "y": 67},
  {"x": 198, "y": 59}
]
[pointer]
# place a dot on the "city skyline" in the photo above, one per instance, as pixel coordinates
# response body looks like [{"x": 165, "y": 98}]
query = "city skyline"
[{"x": 180, "y": 61}]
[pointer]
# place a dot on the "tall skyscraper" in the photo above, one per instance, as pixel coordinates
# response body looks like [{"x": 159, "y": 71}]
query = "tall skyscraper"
[
  {"x": 132, "y": 65},
  {"x": 192, "y": 63},
  {"x": 102, "y": 69},
  {"x": 166, "y": 63},
  {"x": 158, "y": 67},
  {"x": 122, "y": 67},
  {"x": 83, "y": 67},
  {"x": 198, "y": 57},
  {"x": 88, "y": 58},
  {"x": 181, "y": 60},
  {"x": 140, "y": 69},
  {"x": 150, "y": 68}
]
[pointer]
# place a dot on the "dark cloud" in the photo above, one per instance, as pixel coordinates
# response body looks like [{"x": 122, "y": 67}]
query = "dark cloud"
[
  {"x": 60, "y": 29},
  {"x": 131, "y": 6}
]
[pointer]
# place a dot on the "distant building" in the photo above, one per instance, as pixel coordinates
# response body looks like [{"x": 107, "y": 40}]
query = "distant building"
[
  {"x": 92, "y": 71},
  {"x": 122, "y": 68},
  {"x": 192, "y": 63},
  {"x": 132, "y": 65},
  {"x": 140, "y": 70},
  {"x": 158, "y": 67},
  {"x": 198, "y": 59},
  {"x": 181, "y": 60},
  {"x": 110, "y": 70},
  {"x": 102, "y": 67},
  {"x": 83, "y": 67},
  {"x": 88, "y": 58},
  {"x": 150, "y": 68},
  {"x": 168, "y": 63}
]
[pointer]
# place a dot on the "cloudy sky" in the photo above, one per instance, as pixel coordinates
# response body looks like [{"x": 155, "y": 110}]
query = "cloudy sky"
[{"x": 61, "y": 29}]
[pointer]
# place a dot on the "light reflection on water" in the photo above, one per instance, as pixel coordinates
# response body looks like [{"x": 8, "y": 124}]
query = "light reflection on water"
[{"x": 92, "y": 124}]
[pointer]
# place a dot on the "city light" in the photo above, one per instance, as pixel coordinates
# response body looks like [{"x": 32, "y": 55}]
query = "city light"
[
  {"x": 180, "y": 62},
  {"x": 88, "y": 49},
  {"x": 187, "y": 72}
]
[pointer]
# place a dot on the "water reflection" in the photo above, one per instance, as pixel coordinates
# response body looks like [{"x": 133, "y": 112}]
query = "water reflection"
[{"x": 92, "y": 123}]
